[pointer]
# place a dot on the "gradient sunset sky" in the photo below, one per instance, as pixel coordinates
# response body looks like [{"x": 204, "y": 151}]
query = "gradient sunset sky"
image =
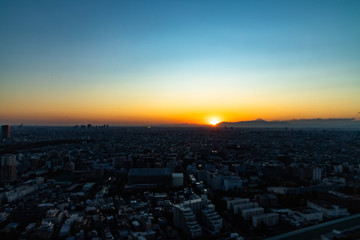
[{"x": 150, "y": 62}]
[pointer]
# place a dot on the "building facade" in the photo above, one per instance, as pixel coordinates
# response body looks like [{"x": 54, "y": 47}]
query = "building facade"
[{"x": 8, "y": 168}]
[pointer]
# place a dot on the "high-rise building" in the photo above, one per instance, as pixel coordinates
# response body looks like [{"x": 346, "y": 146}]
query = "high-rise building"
[
  {"x": 316, "y": 174},
  {"x": 211, "y": 220},
  {"x": 8, "y": 168},
  {"x": 5, "y": 132},
  {"x": 184, "y": 218}
]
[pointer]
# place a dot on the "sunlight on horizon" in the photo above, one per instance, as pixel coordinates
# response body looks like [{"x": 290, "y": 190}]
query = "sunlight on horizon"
[{"x": 214, "y": 121}]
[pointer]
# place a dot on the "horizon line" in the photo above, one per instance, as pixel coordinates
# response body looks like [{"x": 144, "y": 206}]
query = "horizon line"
[{"x": 168, "y": 124}]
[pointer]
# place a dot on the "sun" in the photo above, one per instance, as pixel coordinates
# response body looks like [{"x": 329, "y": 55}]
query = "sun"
[{"x": 214, "y": 121}]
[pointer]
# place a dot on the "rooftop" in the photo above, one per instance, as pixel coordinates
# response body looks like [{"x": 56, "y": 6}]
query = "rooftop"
[{"x": 149, "y": 171}]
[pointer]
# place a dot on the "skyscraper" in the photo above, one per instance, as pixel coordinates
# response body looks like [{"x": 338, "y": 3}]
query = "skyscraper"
[
  {"x": 5, "y": 132},
  {"x": 8, "y": 168}
]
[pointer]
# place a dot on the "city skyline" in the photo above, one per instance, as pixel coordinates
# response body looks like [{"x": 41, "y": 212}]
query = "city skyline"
[{"x": 141, "y": 63}]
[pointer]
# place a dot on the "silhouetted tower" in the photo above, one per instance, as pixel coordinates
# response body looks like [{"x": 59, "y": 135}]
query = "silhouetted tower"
[
  {"x": 8, "y": 168},
  {"x": 5, "y": 132}
]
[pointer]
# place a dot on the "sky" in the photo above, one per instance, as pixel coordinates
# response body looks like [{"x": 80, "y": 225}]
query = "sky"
[{"x": 159, "y": 62}]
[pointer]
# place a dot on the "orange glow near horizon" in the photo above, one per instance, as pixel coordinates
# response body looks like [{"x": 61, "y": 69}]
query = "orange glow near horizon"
[
  {"x": 143, "y": 114},
  {"x": 214, "y": 121},
  {"x": 149, "y": 106}
]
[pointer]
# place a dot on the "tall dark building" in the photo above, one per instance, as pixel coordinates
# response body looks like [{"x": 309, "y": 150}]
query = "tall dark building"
[
  {"x": 8, "y": 168},
  {"x": 5, "y": 132}
]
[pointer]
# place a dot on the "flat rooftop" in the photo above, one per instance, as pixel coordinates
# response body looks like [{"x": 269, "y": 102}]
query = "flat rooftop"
[
  {"x": 149, "y": 171},
  {"x": 317, "y": 230}
]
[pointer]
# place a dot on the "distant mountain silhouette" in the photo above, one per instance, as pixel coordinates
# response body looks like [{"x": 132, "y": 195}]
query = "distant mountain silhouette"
[
  {"x": 296, "y": 123},
  {"x": 260, "y": 120}
]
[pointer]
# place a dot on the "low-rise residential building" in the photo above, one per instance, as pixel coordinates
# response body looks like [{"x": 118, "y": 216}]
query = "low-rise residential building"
[
  {"x": 328, "y": 210},
  {"x": 237, "y": 201},
  {"x": 248, "y": 213},
  {"x": 268, "y": 219}
]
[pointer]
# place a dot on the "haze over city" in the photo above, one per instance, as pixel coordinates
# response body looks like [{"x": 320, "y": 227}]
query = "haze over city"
[{"x": 169, "y": 62}]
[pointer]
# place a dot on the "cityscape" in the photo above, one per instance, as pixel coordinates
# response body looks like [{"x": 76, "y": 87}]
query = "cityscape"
[
  {"x": 205, "y": 182},
  {"x": 178, "y": 119}
]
